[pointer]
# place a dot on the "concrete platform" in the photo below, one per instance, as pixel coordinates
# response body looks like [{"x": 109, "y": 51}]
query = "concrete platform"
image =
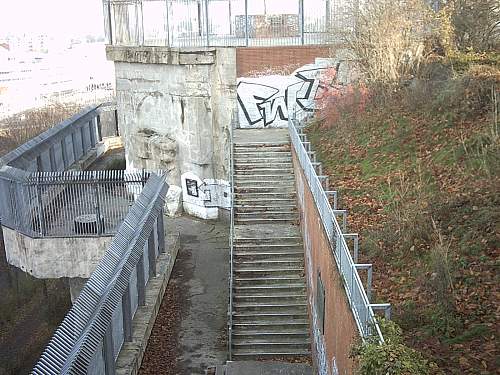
[
  {"x": 275, "y": 135},
  {"x": 266, "y": 368}
]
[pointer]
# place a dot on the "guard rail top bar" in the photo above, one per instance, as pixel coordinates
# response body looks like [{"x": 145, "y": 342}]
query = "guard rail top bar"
[
  {"x": 50, "y": 204},
  {"x": 358, "y": 300},
  {"x": 85, "y": 123},
  {"x": 89, "y": 326}
]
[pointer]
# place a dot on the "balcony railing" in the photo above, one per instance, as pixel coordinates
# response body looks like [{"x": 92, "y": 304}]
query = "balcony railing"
[{"x": 210, "y": 23}]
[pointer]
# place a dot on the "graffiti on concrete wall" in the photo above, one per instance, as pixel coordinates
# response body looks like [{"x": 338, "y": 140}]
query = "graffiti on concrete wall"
[{"x": 269, "y": 101}]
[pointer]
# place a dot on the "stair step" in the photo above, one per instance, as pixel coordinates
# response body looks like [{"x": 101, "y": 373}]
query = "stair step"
[
  {"x": 254, "y": 209},
  {"x": 270, "y": 306},
  {"x": 285, "y": 255},
  {"x": 275, "y": 289},
  {"x": 277, "y": 334},
  {"x": 267, "y": 280},
  {"x": 256, "y": 353},
  {"x": 266, "y": 245},
  {"x": 264, "y": 171},
  {"x": 274, "y": 297}
]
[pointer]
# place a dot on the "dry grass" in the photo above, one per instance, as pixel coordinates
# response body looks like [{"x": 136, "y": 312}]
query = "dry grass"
[{"x": 18, "y": 129}]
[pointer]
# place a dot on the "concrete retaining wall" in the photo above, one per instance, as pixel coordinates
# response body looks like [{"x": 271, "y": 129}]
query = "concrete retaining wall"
[
  {"x": 332, "y": 346},
  {"x": 47, "y": 258}
]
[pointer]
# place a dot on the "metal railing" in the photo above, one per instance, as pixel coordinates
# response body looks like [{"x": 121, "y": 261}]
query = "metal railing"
[
  {"x": 67, "y": 204},
  {"x": 358, "y": 299},
  {"x": 198, "y": 23},
  {"x": 60, "y": 146},
  {"x": 231, "y": 243},
  {"x": 100, "y": 321},
  {"x": 39, "y": 199}
]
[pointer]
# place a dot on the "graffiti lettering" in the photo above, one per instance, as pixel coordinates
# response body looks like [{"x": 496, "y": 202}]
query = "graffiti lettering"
[{"x": 269, "y": 101}]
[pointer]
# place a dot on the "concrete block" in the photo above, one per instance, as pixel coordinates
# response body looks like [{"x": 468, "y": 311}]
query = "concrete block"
[{"x": 173, "y": 201}]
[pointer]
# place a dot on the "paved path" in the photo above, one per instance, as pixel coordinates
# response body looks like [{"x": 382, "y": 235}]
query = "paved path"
[{"x": 190, "y": 332}]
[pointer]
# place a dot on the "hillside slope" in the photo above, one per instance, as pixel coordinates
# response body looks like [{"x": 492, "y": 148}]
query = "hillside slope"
[{"x": 418, "y": 169}]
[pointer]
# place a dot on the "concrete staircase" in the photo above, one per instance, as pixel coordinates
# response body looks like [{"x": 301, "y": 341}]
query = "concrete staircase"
[{"x": 269, "y": 294}]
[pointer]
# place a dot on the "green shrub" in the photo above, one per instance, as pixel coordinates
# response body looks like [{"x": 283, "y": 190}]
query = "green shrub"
[{"x": 392, "y": 357}]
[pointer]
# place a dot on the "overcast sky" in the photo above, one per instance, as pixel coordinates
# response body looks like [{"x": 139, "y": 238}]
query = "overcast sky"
[{"x": 59, "y": 17}]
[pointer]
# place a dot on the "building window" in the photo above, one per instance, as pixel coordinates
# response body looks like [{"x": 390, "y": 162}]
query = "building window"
[{"x": 320, "y": 303}]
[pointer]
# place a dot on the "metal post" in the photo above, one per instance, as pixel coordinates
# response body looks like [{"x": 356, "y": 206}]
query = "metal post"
[
  {"x": 117, "y": 129},
  {"x": 355, "y": 238},
  {"x": 328, "y": 15},
  {"x": 333, "y": 194},
  {"x": 302, "y": 21},
  {"x": 141, "y": 29},
  {"x": 109, "y": 351},
  {"x": 167, "y": 24},
  {"x": 92, "y": 132},
  {"x": 52, "y": 159},
  {"x": 152, "y": 255},
  {"x": 99, "y": 128},
  {"x": 161, "y": 233},
  {"x": 110, "y": 24},
  {"x": 64, "y": 152},
  {"x": 41, "y": 214},
  {"x": 127, "y": 315},
  {"x": 99, "y": 222},
  {"x": 344, "y": 218},
  {"x": 141, "y": 293},
  {"x": 207, "y": 28},
  {"x": 369, "y": 268},
  {"x": 383, "y": 306},
  {"x": 246, "y": 24}
]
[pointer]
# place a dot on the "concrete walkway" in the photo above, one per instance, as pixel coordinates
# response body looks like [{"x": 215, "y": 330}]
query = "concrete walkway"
[{"x": 190, "y": 332}]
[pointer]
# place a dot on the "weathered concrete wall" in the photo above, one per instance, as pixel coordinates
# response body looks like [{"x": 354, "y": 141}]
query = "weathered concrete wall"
[
  {"x": 49, "y": 258},
  {"x": 331, "y": 348},
  {"x": 175, "y": 109}
]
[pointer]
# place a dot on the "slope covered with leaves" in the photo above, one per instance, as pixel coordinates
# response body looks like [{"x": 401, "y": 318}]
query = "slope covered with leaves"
[{"x": 418, "y": 169}]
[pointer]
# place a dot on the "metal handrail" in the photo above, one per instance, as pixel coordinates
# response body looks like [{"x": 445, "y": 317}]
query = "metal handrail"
[
  {"x": 87, "y": 330},
  {"x": 355, "y": 291},
  {"x": 231, "y": 243}
]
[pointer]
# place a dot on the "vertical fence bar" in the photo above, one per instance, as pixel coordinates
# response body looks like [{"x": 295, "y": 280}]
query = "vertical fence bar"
[
  {"x": 141, "y": 294},
  {"x": 127, "y": 315},
  {"x": 207, "y": 28},
  {"x": 41, "y": 214},
  {"x": 97, "y": 208},
  {"x": 302, "y": 21},
  {"x": 246, "y": 24},
  {"x": 117, "y": 129},
  {"x": 110, "y": 24},
  {"x": 152, "y": 255},
  {"x": 108, "y": 351},
  {"x": 99, "y": 128},
  {"x": 161, "y": 233}
]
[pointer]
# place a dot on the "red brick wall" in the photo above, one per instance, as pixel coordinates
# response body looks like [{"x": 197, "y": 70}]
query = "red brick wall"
[
  {"x": 256, "y": 59},
  {"x": 340, "y": 329}
]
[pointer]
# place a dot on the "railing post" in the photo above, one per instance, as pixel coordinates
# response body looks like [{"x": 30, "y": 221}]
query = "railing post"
[
  {"x": 41, "y": 213},
  {"x": 152, "y": 255},
  {"x": 167, "y": 23},
  {"x": 109, "y": 351},
  {"x": 117, "y": 128},
  {"x": 52, "y": 159},
  {"x": 127, "y": 315},
  {"x": 355, "y": 238},
  {"x": 207, "y": 28},
  {"x": 369, "y": 268},
  {"x": 64, "y": 152},
  {"x": 302, "y": 21},
  {"x": 246, "y": 24},
  {"x": 99, "y": 128},
  {"x": 99, "y": 222},
  {"x": 161, "y": 232},
  {"x": 141, "y": 293},
  {"x": 110, "y": 24}
]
